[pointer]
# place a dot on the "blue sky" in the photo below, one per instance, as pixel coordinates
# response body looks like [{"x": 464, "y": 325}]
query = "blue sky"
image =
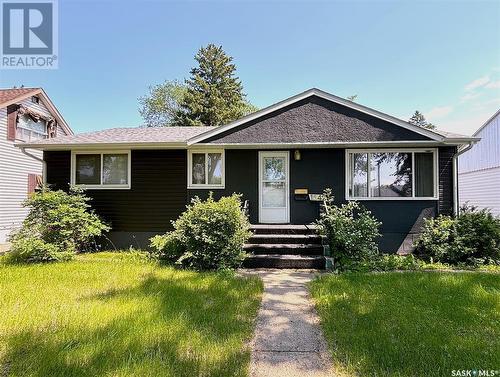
[{"x": 442, "y": 58}]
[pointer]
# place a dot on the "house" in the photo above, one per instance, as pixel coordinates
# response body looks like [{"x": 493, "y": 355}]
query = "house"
[
  {"x": 280, "y": 158},
  {"x": 26, "y": 115},
  {"x": 479, "y": 168}
]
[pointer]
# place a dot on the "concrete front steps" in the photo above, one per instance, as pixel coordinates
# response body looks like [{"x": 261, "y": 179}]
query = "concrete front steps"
[{"x": 284, "y": 246}]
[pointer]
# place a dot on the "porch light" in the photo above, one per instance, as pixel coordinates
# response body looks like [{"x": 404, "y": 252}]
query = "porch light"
[{"x": 296, "y": 155}]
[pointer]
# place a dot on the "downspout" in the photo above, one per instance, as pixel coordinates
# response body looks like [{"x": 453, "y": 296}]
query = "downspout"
[
  {"x": 455, "y": 176},
  {"x": 44, "y": 164}
]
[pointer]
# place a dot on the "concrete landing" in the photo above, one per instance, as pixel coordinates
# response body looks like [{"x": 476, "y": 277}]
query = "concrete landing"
[{"x": 288, "y": 340}]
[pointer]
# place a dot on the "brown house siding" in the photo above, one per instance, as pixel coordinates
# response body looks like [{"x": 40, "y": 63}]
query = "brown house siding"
[{"x": 11, "y": 122}]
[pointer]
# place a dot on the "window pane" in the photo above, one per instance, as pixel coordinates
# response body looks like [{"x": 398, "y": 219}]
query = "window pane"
[
  {"x": 274, "y": 169},
  {"x": 424, "y": 175},
  {"x": 115, "y": 169},
  {"x": 88, "y": 169},
  {"x": 390, "y": 174},
  {"x": 214, "y": 168},
  {"x": 198, "y": 162},
  {"x": 359, "y": 175},
  {"x": 273, "y": 194}
]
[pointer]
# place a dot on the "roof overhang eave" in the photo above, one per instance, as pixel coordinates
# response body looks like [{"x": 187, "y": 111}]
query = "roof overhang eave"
[{"x": 99, "y": 146}]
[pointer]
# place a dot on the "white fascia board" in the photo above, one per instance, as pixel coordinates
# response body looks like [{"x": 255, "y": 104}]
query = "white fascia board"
[
  {"x": 359, "y": 144},
  {"x": 101, "y": 146}
]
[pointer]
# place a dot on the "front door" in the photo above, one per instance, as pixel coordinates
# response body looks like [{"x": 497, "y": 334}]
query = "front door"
[{"x": 274, "y": 204}]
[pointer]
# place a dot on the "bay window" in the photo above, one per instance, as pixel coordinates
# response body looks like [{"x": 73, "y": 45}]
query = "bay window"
[
  {"x": 98, "y": 170},
  {"x": 391, "y": 174},
  {"x": 206, "y": 169}
]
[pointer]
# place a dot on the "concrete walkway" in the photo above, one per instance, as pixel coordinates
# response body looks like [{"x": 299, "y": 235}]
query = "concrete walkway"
[{"x": 288, "y": 340}]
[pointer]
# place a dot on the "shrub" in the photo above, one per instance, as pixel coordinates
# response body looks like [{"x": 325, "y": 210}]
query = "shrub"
[
  {"x": 209, "y": 235},
  {"x": 473, "y": 238},
  {"x": 30, "y": 249},
  {"x": 351, "y": 231},
  {"x": 167, "y": 247},
  {"x": 58, "y": 224}
]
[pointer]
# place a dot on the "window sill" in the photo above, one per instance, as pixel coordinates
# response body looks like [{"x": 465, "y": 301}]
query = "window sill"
[
  {"x": 204, "y": 187},
  {"x": 104, "y": 187}
]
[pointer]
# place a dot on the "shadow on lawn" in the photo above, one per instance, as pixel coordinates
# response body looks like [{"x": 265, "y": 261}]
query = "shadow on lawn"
[
  {"x": 411, "y": 324},
  {"x": 181, "y": 329}
]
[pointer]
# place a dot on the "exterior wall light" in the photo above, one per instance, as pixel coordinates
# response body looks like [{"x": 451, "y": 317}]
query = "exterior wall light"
[{"x": 296, "y": 155}]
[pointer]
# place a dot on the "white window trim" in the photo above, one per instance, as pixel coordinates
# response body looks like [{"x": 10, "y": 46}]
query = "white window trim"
[
  {"x": 394, "y": 150},
  {"x": 190, "y": 183},
  {"x": 101, "y": 186}
]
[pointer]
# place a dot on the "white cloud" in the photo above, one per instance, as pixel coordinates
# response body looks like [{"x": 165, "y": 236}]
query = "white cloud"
[
  {"x": 477, "y": 83},
  {"x": 438, "y": 112},
  {"x": 469, "y": 96},
  {"x": 493, "y": 85}
]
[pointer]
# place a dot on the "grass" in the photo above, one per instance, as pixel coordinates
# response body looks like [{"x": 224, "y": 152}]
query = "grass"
[
  {"x": 410, "y": 324},
  {"x": 116, "y": 315}
]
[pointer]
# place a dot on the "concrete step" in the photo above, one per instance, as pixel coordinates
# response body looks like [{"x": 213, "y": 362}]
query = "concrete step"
[
  {"x": 283, "y": 249},
  {"x": 305, "y": 239},
  {"x": 283, "y": 229},
  {"x": 284, "y": 261}
]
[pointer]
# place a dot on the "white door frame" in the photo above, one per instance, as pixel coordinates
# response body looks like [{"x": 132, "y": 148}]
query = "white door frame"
[{"x": 285, "y": 154}]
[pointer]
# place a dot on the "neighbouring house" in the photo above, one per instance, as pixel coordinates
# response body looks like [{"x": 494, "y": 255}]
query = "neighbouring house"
[
  {"x": 26, "y": 115},
  {"x": 479, "y": 168},
  {"x": 279, "y": 158}
]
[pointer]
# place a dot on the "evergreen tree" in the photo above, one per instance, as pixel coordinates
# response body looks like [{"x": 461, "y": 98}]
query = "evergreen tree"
[
  {"x": 214, "y": 94},
  {"x": 418, "y": 119}
]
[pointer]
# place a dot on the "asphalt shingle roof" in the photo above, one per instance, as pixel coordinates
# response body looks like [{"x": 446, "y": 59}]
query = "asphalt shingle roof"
[
  {"x": 126, "y": 135},
  {"x": 7, "y": 95}
]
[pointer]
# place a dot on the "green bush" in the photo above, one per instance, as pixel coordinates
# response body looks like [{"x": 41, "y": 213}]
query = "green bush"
[
  {"x": 58, "y": 225},
  {"x": 209, "y": 235},
  {"x": 30, "y": 249},
  {"x": 473, "y": 238},
  {"x": 167, "y": 247},
  {"x": 351, "y": 231}
]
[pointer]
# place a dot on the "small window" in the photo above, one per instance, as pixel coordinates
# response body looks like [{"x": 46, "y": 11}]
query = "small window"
[
  {"x": 35, "y": 99},
  {"x": 28, "y": 130},
  {"x": 101, "y": 170},
  {"x": 391, "y": 174},
  {"x": 206, "y": 169}
]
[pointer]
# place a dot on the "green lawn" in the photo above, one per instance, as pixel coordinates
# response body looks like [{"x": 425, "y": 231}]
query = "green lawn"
[
  {"x": 410, "y": 324},
  {"x": 117, "y": 315}
]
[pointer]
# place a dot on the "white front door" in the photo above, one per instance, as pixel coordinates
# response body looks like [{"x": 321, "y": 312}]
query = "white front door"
[{"x": 273, "y": 187}]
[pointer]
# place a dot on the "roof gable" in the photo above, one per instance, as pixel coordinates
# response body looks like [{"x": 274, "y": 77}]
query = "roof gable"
[
  {"x": 315, "y": 120},
  {"x": 11, "y": 96},
  {"x": 361, "y": 112}
]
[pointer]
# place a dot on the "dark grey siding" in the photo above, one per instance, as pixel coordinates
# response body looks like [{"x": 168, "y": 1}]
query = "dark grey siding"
[
  {"x": 159, "y": 192},
  {"x": 317, "y": 170},
  {"x": 446, "y": 180},
  {"x": 157, "y": 195},
  {"x": 315, "y": 120},
  {"x": 241, "y": 177},
  {"x": 325, "y": 168},
  {"x": 58, "y": 169}
]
